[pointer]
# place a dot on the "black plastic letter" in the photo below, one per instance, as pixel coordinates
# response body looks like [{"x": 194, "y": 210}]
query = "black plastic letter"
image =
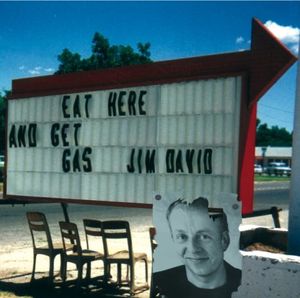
[
  {"x": 170, "y": 160},
  {"x": 76, "y": 127},
  {"x": 76, "y": 163},
  {"x": 87, "y": 167},
  {"x": 130, "y": 167},
  {"x": 66, "y": 161},
  {"x": 76, "y": 107},
  {"x": 32, "y": 134},
  {"x": 87, "y": 99},
  {"x": 179, "y": 162},
  {"x": 54, "y": 134},
  {"x": 64, "y": 106},
  {"x": 189, "y": 157},
  {"x": 111, "y": 104},
  {"x": 142, "y": 102},
  {"x": 21, "y": 135},
  {"x": 150, "y": 161},
  {"x": 121, "y": 103},
  {"x": 12, "y": 137},
  {"x": 199, "y": 161},
  {"x": 207, "y": 161},
  {"x": 131, "y": 103}
]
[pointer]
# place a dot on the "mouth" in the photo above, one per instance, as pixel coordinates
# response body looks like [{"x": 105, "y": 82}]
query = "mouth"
[{"x": 197, "y": 259}]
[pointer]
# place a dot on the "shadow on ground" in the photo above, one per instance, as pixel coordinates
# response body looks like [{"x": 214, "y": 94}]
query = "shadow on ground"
[{"x": 43, "y": 289}]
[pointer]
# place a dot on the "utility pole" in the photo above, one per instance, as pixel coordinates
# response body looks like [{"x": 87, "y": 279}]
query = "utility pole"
[{"x": 294, "y": 208}]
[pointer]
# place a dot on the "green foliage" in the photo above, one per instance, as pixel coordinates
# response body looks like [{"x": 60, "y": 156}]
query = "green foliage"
[
  {"x": 3, "y": 107},
  {"x": 274, "y": 136},
  {"x": 69, "y": 62},
  {"x": 267, "y": 178},
  {"x": 103, "y": 56}
]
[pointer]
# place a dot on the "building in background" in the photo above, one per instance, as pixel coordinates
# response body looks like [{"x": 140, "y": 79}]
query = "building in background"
[{"x": 266, "y": 155}]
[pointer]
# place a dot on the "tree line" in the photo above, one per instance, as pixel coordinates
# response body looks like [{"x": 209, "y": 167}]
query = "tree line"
[
  {"x": 272, "y": 136},
  {"x": 104, "y": 56}
]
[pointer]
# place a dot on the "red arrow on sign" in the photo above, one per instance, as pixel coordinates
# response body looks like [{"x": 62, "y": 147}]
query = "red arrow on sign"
[{"x": 269, "y": 60}]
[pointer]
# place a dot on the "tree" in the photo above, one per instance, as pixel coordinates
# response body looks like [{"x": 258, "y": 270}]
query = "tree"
[
  {"x": 103, "y": 56},
  {"x": 274, "y": 136},
  {"x": 69, "y": 62},
  {"x": 3, "y": 108}
]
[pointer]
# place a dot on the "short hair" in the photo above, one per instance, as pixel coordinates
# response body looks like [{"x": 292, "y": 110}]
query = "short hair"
[{"x": 201, "y": 203}]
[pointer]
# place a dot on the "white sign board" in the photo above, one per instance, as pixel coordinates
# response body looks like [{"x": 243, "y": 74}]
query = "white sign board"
[{"x": 123, "y": 145}]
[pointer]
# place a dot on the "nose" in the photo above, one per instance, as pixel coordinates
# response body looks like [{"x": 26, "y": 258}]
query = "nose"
[{"x": 194, "y": 245}]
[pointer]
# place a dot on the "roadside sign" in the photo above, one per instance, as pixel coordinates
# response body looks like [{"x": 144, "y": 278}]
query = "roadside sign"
[{"x": 117, "y": 136}]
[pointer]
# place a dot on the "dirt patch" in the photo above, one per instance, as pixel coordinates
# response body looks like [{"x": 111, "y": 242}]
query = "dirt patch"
[{"x": 263, "y": 247}]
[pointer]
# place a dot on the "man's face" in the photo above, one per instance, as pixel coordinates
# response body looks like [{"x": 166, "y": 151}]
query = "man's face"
[{"x": 198, "y": 239}]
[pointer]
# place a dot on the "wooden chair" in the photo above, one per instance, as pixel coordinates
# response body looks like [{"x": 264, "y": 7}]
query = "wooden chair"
[
  {"x": 154, "y": 291},
  {"x": 78, "y": 256},
  {"x": 152, "y": 233},
  {"x": 42, "y": 241},
  {"x": 120, "y": 230},
  {"x": 94, "y": 240}
]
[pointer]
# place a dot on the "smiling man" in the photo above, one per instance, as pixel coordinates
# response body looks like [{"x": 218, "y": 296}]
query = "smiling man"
[{"x": 200, "y": 238}]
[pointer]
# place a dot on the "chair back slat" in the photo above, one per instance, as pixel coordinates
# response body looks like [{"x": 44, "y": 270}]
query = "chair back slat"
[
  {"x": 93, "y": 229},
  {"x": 115, "y": 224},
  {"x": 115, "y": 235},
  {"x": 38, "y": 227},
  {"x": 70, "y": 235},
  {"x": 38, "y": 223},
  {"x": 93, "y": 233},
  {"x": 117, "y": 229}
]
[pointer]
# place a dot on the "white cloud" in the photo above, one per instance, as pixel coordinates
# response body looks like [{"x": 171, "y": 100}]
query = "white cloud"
[
  {"x": 239, "y": 40},
  {"x": 295, "y": 48},
  {"x": 287, "y": 34},
  {"x": 39, "y": 70},
  {"x": 49, "y": 69},
  {"x": 22, "y": 67},
  {"x": 34, "y": 72}
]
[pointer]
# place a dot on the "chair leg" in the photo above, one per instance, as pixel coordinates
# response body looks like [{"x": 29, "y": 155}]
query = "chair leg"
[
  {"x": 33, "y": 267},
  {"x": 107, "y": 275},
  {"x": 51, "y": 269},
  {"x": 146, "y": 273},
  {"x": 132, "y": 283},
  {"x": 127, "y": 273},
  {"x": 119, "y": 273},
  {"x": 79, "y": 270},
  {"x": 88, "y": 270},
  {"x": 64, "y": 265}
]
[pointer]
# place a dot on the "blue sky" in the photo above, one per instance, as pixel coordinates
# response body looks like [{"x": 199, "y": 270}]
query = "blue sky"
[{"x": 32, "y": 34}]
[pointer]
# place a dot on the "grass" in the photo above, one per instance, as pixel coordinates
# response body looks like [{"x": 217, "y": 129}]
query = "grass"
[{"x": 267, "y": 178}]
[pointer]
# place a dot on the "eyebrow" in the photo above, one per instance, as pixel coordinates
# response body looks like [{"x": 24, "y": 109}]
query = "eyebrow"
[{"x": 199, "y": 231}]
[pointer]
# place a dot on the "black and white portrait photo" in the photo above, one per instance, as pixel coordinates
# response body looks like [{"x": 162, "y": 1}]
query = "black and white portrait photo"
[{"x": 193, "y": 240}]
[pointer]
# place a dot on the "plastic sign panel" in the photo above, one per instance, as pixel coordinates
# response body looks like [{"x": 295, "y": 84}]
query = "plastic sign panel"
[{"x": 121, "y": 145}]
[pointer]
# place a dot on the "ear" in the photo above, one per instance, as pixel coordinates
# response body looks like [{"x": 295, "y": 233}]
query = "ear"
[{"x": 225, "y": 240}]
